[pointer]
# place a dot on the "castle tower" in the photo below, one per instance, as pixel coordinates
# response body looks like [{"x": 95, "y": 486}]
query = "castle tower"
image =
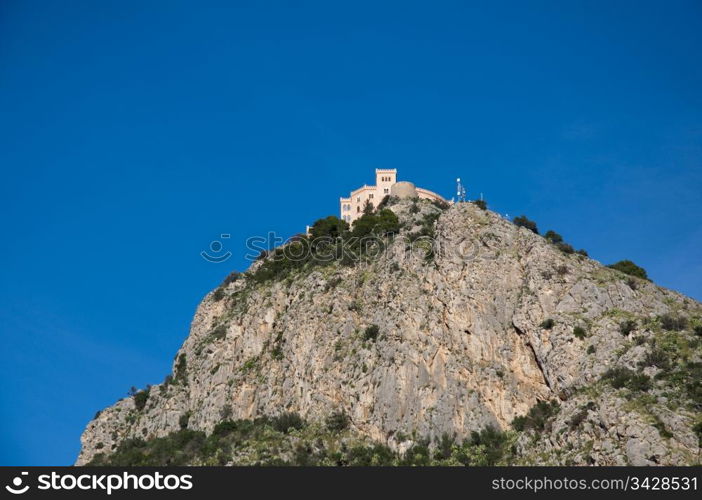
[{"x": 384, "y": 179}]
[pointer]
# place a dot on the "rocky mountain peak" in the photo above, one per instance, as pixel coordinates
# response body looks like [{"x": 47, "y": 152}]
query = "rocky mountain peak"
[{"x": 452, "y": 321}]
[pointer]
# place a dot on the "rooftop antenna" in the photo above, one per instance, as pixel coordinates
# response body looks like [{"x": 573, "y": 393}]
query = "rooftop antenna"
[{"x": 460, "y": 190}]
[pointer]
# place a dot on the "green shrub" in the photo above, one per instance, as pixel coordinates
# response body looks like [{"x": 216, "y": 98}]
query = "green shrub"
[
  {"x": 639, "y": 382},
  {"x": 183, "y": 420},
  {"x": 181, "y": 370},
  {"x": 537, "y": 418},
  {"x": 250, "y": 365},
  {"x": 178, "y": 448},
  {"x": 366, "y": 456},
  {"x": 493, "y": 443},
  {"x": 418, "y": 455},
  {"x": 565, "y": 248},
  {"x": 577, "y": 419},
  {"x": 427, "y": 233},
  {"x": 481, "y": 204},
  {"x": 338, "y": 421},
  {"x": 672, "y": 323},
  {"x": 660, "y": 426},
  {"x": 617, "y": 377},
  {"x": 285, "y": 422},
  {"x": 384, "y": 202},
  {"x": 329, "y": 227},
  {"x": 656, "y": 357},
  {"x": 623, "y": 377},
  {"x": 444, "y": 447},
  {"x": 524, "y": 221},
  {"x": 591, "y": 349},
  {"x": 547, "y": 324},
  {"x": 628, "y": 267},
  {"x": 627, "y": 326},
  {"x": 231, "y": 278},
  {"x": 557, "y": 240},
  {"x": 698, "y": 330},
  {"x": 371, "y": 332},
  {"x": 444, "y": 205},
  {"x": 553, "y": 236},
  {"x": 385, "y": 222},
  {"x": 218, "y": 294},
  {"x": 488, "y": 447},
  {"x": 280, "y": 262},
  {"x": 219, "y": 332},
  {"x": 579, "y": 332},
  {"x": 226, "y": 412},
  {"x": 693, "y": 383},
  {"x": 141, "y": 397},
  {"x": 697, "y": 429},
  {"x": 277, "y": 352},
  {"x": 388, "y": 223},
  {"x": 583, "y": 252}
]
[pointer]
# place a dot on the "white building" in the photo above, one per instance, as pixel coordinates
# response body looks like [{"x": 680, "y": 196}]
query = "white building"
[{"x": 351, "y": 208}]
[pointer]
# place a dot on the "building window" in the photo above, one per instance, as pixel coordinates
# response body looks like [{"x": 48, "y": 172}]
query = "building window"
[
  {"x": 358, "y": 199},
  {"x": 386, "y": 190},
  {"x": 370, "y": 196},
  {"x": 358, "y": 209}
]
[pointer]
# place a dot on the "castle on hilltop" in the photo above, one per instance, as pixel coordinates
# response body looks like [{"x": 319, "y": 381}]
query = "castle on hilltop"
[{"x": 351, "y": 208}]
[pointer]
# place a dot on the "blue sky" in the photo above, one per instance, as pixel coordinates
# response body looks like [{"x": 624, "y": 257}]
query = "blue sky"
[{"x": 132, "y": 136}]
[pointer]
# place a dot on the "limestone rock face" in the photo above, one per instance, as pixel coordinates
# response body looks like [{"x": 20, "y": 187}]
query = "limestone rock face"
[{"x": 459, "y": 347}]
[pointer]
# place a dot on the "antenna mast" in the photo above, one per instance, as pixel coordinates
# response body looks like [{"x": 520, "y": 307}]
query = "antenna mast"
[{"x": 460, "y": 190}]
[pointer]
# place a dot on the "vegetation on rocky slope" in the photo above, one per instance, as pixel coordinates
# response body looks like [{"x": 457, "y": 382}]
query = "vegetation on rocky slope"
[{"x": 289, "y": 440}]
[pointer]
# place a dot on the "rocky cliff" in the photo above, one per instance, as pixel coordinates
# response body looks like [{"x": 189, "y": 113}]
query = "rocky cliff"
[{"x": 465, "y": 321}]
